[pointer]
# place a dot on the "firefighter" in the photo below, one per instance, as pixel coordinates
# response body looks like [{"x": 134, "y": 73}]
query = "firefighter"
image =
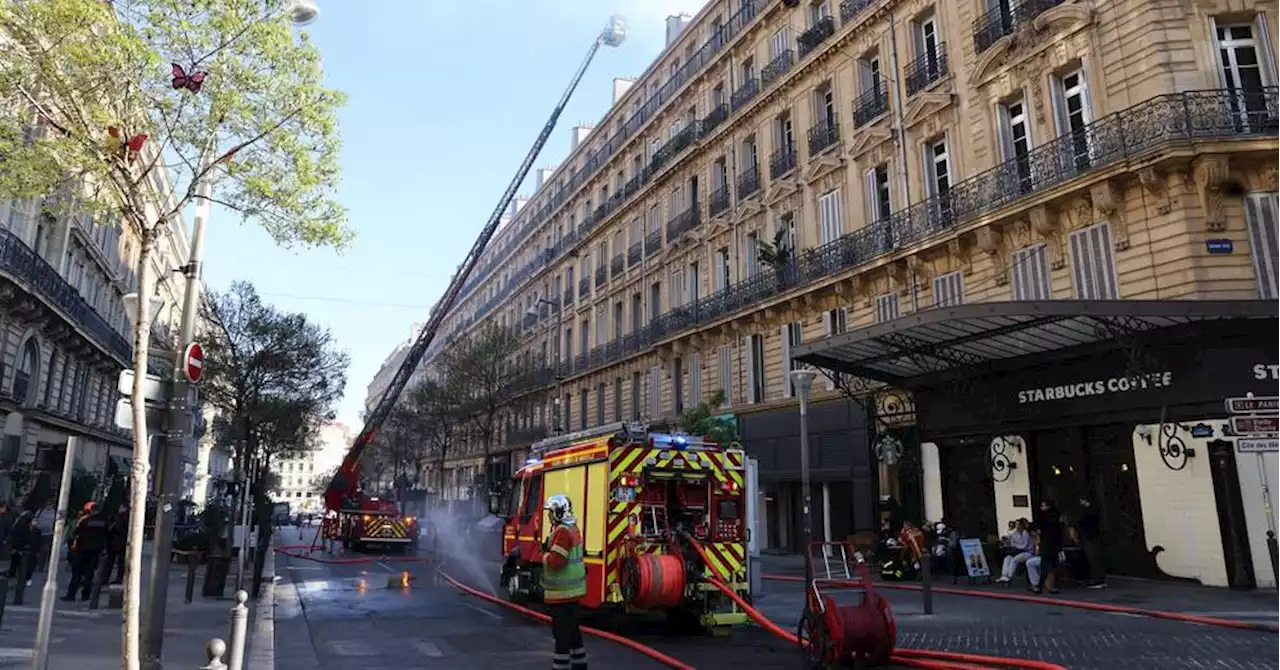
[
  {"x": 564, "y": 583},
  {"x": 87, "y": 543}
]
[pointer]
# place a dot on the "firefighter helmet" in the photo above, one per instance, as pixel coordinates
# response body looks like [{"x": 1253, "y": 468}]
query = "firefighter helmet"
[{"x": 559, "y": 507}]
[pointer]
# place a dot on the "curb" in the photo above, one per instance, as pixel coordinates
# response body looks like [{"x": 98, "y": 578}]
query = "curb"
[{"x": 262, "y": 639}]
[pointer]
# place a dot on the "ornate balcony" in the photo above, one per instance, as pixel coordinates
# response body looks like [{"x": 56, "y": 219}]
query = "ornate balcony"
[
  {"x": 715, "y": 117},
  {"x": 584, "y": 287},
  {"x": 720, "y": 200},
  {"x": 568, "y": 298},
  {"x": 1005, "y": 20},
  {"x": 748, "y": 182},
  {"x": 635, "y": 253},
  {"x": 25, "y": 266},
  {"x": 745, "y": 93},
  {"x": 926, "y": 69},
  {"x": 617, "y": 265},
  {"x": 822, "y": 136},
  {"x": 870, "y": 105},
  {"x": 849, "y": 9},
  {"x": 602, "y": 275},
  {"x": 780, "y": 65},
  {"x": 782, "y": 161},
  {"x": 653, "y": 242},
  {"x": 683, "y": 223},
  {"x": 815, "y": 36}
]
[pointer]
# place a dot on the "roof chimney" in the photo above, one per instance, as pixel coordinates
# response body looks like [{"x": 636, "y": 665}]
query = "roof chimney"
[
  {"x": 675, "y": 25},
  {"x": 580, "y": 133},
  {"x": 542, "y": 176},
  {"x": 620, "y": 88}
]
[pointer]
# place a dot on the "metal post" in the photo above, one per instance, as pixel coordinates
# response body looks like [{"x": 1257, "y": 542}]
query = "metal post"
[
  {"x": 214, "y": 651},
  {"x": 802, "y": 380},
  {"x": 49, "y": 594},
  {"x": 169, "y": 489},
  {"x": 245, "y": 494},
  {"x": 239, "y": 628}
]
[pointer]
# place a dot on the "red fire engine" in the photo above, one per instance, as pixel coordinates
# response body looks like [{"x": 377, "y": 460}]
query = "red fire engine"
[
  {"x": 367, "y": 522},
  {"x": 645, "y": 504}
]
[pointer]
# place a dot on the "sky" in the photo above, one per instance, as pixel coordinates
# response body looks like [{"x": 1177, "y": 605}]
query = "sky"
[{"x": 446, "y": 98}]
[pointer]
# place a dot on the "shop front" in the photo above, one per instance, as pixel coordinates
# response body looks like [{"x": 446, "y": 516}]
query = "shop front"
[{"x": 1121, "y": 404}]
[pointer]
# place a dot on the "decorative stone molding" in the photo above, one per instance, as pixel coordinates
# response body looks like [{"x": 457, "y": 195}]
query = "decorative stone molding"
[
  {"x": 780, "y": 189},
  {"x": 924, "y": 105},
  {"x": 869, "y": 137},
  {"x": 1108, "y": 206},
  {"x": 1153, "y": 182},
  {"x": 823, "y": 165},
  {"x": 961, "y": 255},
  {"x": 1073, "y": 15},
  {"x": 1210, "y": 174}
]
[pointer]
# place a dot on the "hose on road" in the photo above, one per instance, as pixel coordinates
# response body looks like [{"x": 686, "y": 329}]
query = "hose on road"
[
  {"x": 912, "y": 658},
  {"x": 1077, "y": 604},
  {"x": 295, "y": 551}
]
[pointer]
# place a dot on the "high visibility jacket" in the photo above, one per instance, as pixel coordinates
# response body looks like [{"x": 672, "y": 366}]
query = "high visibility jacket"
[{"x": 564, "y": 575}]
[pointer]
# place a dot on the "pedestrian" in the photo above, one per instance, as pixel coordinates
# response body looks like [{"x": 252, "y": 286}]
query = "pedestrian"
[
  {"x": 1042, "y": 569},
  {"x": 87, "y": 542},
  {"x": 1018, "y": 549},
  {"x": 118, "y": 539},
  {"x": 24, "y": 540},
  {"x": 1090, "y": 532},
  {"x": 564, "y": 583},
  {"x": 6, "y": 524}
]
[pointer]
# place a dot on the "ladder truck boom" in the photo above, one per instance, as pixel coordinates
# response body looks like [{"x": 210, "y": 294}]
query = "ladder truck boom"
[{"x": 345, "y": 481}]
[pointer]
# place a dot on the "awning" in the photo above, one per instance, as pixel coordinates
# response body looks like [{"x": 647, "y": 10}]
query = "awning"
[{"x": 949, "y": 339}]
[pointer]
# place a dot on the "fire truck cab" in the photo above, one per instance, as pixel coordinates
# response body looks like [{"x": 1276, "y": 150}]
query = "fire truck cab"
[
  {"x": 659, "y": 515},
  {"x": 368, "y": 522}
]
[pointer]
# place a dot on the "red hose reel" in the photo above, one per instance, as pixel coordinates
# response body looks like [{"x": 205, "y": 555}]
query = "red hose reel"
[{"x": 833, "y": 635}]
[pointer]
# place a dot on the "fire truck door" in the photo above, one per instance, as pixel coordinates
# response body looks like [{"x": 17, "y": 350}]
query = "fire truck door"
[{"x": 529, "y": 522}]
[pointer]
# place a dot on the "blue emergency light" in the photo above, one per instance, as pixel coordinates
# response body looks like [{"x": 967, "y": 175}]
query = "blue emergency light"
[{"x": 672, "y": 441}]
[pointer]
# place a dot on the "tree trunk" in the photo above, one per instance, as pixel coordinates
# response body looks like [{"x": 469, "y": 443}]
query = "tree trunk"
[{"x": 132, "y": 633}]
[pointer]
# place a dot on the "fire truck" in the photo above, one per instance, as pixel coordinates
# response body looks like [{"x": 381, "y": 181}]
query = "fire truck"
[
  {"x": 658, "y": 514},
  {"x": 367, "y": 522}
]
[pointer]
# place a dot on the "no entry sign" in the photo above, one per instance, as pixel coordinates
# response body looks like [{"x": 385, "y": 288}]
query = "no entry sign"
[{"x": 193, "y": 361}]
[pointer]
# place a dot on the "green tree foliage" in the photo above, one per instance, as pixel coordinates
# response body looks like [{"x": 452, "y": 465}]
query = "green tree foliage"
[
  {"x": 482, "y": 369},
  {"x": 436, "y": 406},
  {"x": 708, "y": 421}
]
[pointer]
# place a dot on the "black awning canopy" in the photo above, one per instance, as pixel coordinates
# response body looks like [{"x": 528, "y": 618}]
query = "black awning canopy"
[{"x": 948, "y": 339}]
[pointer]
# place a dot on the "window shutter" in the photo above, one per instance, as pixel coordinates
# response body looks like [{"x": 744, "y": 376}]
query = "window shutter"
[
  {"x": 837, "y": 225},
  {"x": 1005, "y": 131},
  {"x": 695, "y": 379},
  {"x": 726, "y": 374},
  {"x": 1059, "y": 105},
  {"x": 827, "y": 331},
  {"x": 1265, "y": 53},
  {"x": 1260, "y": 214},
  {"x": 786, "y": 362},
  {"x": 869, "y": 195},
  {"x": 655, "y": 392},
  {"x": 751, "y": 370}
]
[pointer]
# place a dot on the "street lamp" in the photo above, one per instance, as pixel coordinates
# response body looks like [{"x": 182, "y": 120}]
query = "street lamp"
[
  {"x": 130, "y": 300},
  {"x": 803, "y": 381},
  {"x": 302, "y": 12},
  {"x": 555, "y": 307}
]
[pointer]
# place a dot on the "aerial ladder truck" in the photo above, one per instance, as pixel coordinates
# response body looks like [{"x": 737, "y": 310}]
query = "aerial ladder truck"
[{"x": 343, "y": 497}]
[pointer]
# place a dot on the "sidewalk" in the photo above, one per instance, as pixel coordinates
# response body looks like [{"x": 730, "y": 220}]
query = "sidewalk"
[
  {"x": 1183, "y": 597},
  {"x": 91, "y": 640}
]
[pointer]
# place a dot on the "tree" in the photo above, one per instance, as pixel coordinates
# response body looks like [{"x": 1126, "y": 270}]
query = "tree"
[
  {"x": 102, "y": 100},
  {"x": 437, "y": 406},
  {"x": 481, "y": 366},
  {"x": 706, "y": 420}
]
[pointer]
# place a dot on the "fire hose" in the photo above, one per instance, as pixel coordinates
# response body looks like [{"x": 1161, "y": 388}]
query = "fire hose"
[
  {"x": 293, "y": 551},
  {"x": 914, "y": 658}
]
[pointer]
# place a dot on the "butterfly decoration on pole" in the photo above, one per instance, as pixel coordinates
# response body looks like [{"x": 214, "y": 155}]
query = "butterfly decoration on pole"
[
  {"x": 192, "y": 82},
  {"x": 126, "y": 150}
]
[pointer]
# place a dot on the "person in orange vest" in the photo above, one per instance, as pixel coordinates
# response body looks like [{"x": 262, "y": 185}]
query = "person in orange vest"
[
  {"x": 564, "y": 583},
  {"x": 87, "y": 542}
]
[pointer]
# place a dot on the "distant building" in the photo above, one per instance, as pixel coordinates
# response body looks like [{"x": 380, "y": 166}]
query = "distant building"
[{"x": 301, "y": 478}]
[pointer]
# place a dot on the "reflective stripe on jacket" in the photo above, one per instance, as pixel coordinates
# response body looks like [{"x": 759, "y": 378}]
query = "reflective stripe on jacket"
[{"x": 564, "y": 575}]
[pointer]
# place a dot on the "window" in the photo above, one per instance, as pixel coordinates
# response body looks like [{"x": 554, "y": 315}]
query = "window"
[
  {"x": 677, "y": 201},
  {"x": 824, "y": 105},
  {"x": 27, "y": 374},
  {"x": 783, "y": 133},
  {"x": 655, "y": 392},
  {"x": 655, "y": 217},
  {"x": 1015, "y": 141},
  {"x": 600, "y": 404},
  {"x": 655, "y": 301},
  {"x": 834, "y": 322},
  {"x": 676, "y": 290},
  {"x": 778, "y": 45},
  {"x": 879, "y": 206},
  {"x": 948, "y": 289},
  {"x": 692, "y": 281},
  {"x": 750, "y": 154},
  {"x": 787, "y": 222},
  {"x": 1246, "y": 65},
  {"x": 753, "y": 254},
  {"x": 869, "y": 73},
  {"x": 635, "y": 396},
  {"x": 1029, "y": 274},
  {"x": 1260, "y": 215},
  {"x": 677, "y": 383},
  {"x": 817, "y": 12},
  {"x": 582, "y": 409},
  {"x": 695, "y": 378},
  {"x": 725, "y": 362},
  {"x": 887, "y": 307},
  {"x": 637, "y": 311},
  {"x": 617, "y": 399},
  {"x": 1072, "y": 115},
  {"x": 792, "y": 335},
  {"x": 926, "y": 43},
  {"x": 937, "y": 165},
  {"x": 720, "y": 274},
  {"x": 1093, "y": 269},
  {"x": 829, "y": 226},
  {"x": 755, "y": 369}
]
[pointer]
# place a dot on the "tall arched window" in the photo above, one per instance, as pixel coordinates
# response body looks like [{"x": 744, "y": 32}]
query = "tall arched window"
[{"x": 26, "y": 376}]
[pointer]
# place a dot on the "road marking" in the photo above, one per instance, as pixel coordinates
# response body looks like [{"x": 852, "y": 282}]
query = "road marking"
[
  {"x": 428, "y": 649},
  {"x": 483, "y": 610},
  {"x": 344, "y": 648},
  {"x": 15, "y": 652}
]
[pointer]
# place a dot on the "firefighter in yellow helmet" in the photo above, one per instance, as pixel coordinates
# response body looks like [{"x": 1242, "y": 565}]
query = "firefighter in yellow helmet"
[{"x": 564, "y": 583}]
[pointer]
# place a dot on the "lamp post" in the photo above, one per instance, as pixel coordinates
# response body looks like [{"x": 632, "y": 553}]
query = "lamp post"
[
  {"x": 559, "y": 311},
  {"x": 803, "y": 382}
]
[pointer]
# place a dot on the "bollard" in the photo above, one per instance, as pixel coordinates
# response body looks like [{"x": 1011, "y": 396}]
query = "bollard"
[
  {"x": 214, "y": 651},
  {"x": 239, "y": 631}
]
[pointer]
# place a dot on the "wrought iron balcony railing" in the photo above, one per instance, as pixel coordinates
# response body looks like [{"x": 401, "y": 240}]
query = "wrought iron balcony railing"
[
  {"x": 1129, "y": 134},
  {"x": 1005, "y": 20},
  {"x": 568, "y": 298},
  {"x": 602, "y": 275},
  {"x": 653, "y": 242},
  {"x": 617, "y": 265},
  {"x": 782, "y": 161},
  {"x": 749, "y": 182},
  {"x": 929, "y": 67},
  {"x": 683, "y": 223},
  {"x": 28, "y": 267},
  {"x": 823, "y": 135},
  {"x": 720, "y": 200},
  {"x": 745, "y": 93},
  {"x": 849, "y": 9},
  {"x": 780, "y": 65},
  {"x": 870, "y": 105},
  {"x": 715, "y": 117},
  {"x": 584, "y": 287},
  {"x": 815, "y": 35},
  {"x": 635, "y": 253}
]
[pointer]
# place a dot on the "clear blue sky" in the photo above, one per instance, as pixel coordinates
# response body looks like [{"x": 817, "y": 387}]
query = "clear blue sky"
[{"x": 446, "y": 97}]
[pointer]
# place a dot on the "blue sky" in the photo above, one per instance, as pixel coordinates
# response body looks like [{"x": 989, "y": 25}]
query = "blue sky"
[{"x": 446, "y": 97}]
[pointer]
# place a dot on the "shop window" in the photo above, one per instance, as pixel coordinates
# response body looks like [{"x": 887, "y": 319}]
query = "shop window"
[
  {"x": 1029, "y": 273},
  {"x": 1260, "y": 215},
  {"x": 1093, "y": 268},
  {"x": 948, "y": 289}
]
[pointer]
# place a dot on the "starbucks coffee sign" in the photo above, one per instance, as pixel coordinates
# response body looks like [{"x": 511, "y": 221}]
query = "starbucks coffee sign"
[{"x": 1096, "y": 387}]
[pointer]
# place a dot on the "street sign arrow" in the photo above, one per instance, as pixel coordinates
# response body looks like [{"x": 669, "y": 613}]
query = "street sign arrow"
[{"x": 1253, "y": 404}]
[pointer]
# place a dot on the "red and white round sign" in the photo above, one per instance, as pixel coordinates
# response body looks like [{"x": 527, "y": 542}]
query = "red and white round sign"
[{"x": 193, "y": 361}]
